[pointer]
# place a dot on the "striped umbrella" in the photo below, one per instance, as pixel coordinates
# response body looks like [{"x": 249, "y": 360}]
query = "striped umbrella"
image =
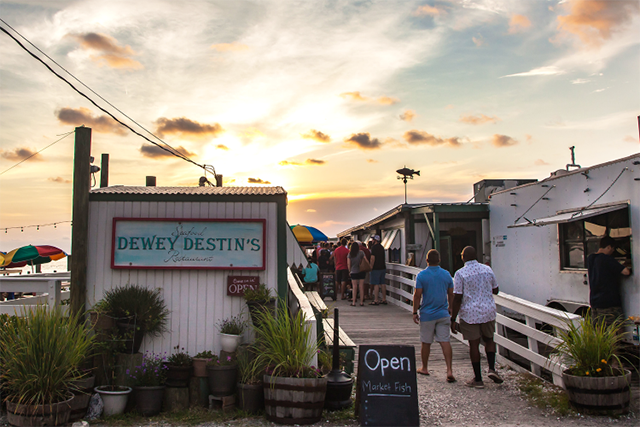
[
  {"x": 31, "y": 255},
  {"x": 307, "y": 234}
]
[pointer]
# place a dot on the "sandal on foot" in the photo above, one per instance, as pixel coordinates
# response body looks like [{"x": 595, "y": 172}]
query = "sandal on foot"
[
  {"x": 383, "y": 303},
  {"x": 361, "y": 304},
  {"x": 374, "y": 303},
  {"x": 353, "y": 305},
  {"x": 451, "y": 379}
]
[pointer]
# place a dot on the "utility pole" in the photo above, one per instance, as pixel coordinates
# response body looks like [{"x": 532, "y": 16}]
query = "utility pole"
[{"x": 80, "y": 219}]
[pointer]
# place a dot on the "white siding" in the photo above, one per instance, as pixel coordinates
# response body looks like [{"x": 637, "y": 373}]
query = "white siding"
[
  {"x": 528, "y": 266},
  {"x": 197, "y": 298}
]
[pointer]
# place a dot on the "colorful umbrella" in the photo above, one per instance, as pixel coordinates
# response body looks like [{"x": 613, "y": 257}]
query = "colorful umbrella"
[
  {"x": 304, "y": 233},
  {"x": 31, "y": 255}
]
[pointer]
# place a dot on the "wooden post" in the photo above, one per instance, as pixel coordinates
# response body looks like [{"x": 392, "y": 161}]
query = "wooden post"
[
  {"x": 104, "y": 170},
  {"x": 80, "y": 225}
]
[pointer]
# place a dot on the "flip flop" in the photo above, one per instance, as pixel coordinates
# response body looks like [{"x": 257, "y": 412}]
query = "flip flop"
[
  {"x": 383, "y": 303},
  {"x": 361, "y": 304},
  {"x": 353, "y": 305},
  {"x": 422, "y": 373},
  {"x": 451, "y": 379},
  {"x": 374, "y": 303}
]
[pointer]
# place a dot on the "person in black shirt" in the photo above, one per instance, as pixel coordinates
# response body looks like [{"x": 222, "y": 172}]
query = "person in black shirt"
[{"x": 604, "y": 282}]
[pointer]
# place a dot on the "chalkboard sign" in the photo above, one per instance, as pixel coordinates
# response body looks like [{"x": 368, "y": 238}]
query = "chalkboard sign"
[
  {"x": 387, "y": 386},
  {"x": 327, "y": 285}
]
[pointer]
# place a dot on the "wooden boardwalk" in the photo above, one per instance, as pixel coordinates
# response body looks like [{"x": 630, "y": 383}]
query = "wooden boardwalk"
[{"x": 389, "y": 324}]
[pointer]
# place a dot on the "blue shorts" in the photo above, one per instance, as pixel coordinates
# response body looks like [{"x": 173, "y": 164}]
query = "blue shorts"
[{"x": 377, "y": 277}]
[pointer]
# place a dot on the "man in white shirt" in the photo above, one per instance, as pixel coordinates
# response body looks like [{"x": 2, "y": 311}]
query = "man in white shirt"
[{"x": 473, "y": 287}]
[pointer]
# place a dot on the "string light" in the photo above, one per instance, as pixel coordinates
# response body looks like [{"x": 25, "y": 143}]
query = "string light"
[{"x": 36, "y": 226}]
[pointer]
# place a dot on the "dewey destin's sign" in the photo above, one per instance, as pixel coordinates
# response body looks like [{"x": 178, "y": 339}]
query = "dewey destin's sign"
[{"x": 234, "y": 244}]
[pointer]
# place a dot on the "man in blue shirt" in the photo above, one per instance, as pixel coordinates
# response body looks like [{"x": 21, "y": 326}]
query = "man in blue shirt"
[{"x": 431, "y": 302}]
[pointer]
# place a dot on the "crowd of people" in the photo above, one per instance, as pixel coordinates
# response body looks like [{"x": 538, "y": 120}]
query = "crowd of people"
[{"x": 359, "y": 269}]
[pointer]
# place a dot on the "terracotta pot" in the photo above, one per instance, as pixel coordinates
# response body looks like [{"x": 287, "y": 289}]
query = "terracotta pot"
[
  {"x": 114, "y": 400},
  {"x": 200, "y": 367},
  {"x": 149, "y": 400},
  {"x": 81, "y": 396},
  {"x": 222, "y": 379},
  {"x": 178, "y": 376},
  {"x": 599, "y": 395},
  {"x": 294, "y": 400},
  {"x": 39, "y": 415}
]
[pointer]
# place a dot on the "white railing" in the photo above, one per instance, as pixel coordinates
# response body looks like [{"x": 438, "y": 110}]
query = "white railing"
[
  {"x": 400, "y": 288},
  {"x": 297, "y": 301},
  {"x": 48, "y": 287}
]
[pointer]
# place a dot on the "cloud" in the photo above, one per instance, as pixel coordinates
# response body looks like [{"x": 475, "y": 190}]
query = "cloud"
[
  {"x": 540, "y": 162},
  {"x": 59, "y": 180},
  {"x": 257, "y": 181},
  {"x": 580, "y": 81},
  {"x": 187, "y": 128},
  {"x": 372, "y": 161},
  {"x": 20, "y": 154},
  {"x": 408, "y": 115},
  {"x": 316, "y": 135},
  {"x": 529, "y": 138},
  {"x": 112, "y": 53},
  {"x": 427, "y": 10},
  {"x": 315, "y": 162},
  {"x": 230, "y": 47},
  {"x": 629, "y": 138},
  {"x": 594, "y": 21},
  {"x": 449, "y": 107},
  {"x": 518, "y": 23},
  {"x": 478, "y": 41},
  {"x": 308, "y": 162},
  {"x": 479, "y": 119},
  {"x": 550, "y": 70},
  {"x": 311, "y": 210},
  {"x": 222, "y": 147},
  {"x": 356, "y": 96},
  {"x": 83, "y": 116},
  {"x": 155, "y": 152},
  {"x": 364, "y": 141},
  {"x": 420, "y": 137},
  {"x": 503, "y": 141}
]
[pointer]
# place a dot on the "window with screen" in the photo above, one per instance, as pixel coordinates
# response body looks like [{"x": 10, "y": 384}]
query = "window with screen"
[{"x": 579, "y": 239}]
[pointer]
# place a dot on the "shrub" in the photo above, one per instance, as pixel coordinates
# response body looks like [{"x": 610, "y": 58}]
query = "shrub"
[
  {"x": 181, "y": 358},
  {"x": 232, "y": 325},
  {"x": 137, "y": 304},
  {"x": 152, "y": 372}
]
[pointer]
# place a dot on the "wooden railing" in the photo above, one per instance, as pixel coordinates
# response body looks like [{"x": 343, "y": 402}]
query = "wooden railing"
[
  {"x": 297, "y": 301},
  {"x": 48, "y": 287},
  {"x": 524, "y": 317}
]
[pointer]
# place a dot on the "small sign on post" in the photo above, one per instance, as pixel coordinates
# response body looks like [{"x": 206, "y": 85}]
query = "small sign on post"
[
  {"x": 236, "y": 285},
  {"x": 387, "y": 389}
]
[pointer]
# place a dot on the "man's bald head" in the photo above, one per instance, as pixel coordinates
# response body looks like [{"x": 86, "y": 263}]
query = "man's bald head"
[{"x": 469, "y": 254}]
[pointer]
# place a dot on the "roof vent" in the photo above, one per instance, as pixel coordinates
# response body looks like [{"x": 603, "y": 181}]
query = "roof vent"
[{"x": 151, "y": 181}]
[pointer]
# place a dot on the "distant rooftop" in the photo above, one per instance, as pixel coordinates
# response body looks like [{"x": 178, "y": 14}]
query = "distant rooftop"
[{"x": 190, "y": 191}]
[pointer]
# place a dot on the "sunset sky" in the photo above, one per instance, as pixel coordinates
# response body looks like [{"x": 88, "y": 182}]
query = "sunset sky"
[{"x": 324, "y": 98}]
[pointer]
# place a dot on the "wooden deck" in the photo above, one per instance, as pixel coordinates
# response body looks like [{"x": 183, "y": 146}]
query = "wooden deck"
[{"x": 388, "y": 324}]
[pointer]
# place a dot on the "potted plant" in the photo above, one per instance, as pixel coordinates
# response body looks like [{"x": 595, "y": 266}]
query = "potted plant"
[
  {"x": 200, "y": 363},
  {"x": 259, "y": 300},
  {"x": 223, "y": 375},
  {"x": 179, "y": 367},
  {"x": 148, "y": 381},
  {"x": 138, "y": 312},
  {"x": 595, "y": 380},
  {"x": 250, "y": 373},
  {"x": 40, "y": 355},
  {"x": 114, "y": 396},
  {"x": 284, "y": 345},
  {"x": 231, "y": 330}
]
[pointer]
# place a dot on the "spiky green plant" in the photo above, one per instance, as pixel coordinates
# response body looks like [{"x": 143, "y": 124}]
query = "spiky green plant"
[
  {"x": 284, "y": 344},
  {"x": 40, "y": 355},
  {"x": 143, "y": 306},
  {"x": 250, "y": 370},
  {"x": 590, "y": 347}
]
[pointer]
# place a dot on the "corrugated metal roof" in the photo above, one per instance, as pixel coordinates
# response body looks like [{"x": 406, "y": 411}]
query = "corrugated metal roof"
[{"x": 192, "y": 191}]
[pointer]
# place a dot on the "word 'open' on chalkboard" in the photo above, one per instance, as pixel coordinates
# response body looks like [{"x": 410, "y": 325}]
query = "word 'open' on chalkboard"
[{"x": 387, "y": 390}]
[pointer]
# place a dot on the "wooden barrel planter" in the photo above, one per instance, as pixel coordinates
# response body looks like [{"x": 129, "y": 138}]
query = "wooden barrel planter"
[
  {"x": 55, "y": 414},
  {"x": 294, "y": 400},
  {"x": 81, "y": 396},
  {"x": 599, "y": 395}
]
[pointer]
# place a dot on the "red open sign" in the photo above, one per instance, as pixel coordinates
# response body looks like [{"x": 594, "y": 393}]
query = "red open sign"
[{"x": 236, "y": 285}]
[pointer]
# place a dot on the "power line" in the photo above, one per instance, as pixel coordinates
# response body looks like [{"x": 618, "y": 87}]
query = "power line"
[
  {"x": 24, "y": 160},
  {"x": 169, "y": 150}
]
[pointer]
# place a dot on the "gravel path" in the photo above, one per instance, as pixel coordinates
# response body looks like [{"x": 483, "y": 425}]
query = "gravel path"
[{"x": 443, "y": 404}]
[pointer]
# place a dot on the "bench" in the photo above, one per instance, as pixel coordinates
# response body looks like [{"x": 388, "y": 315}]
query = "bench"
[
  {"x": 346, "y": 347},
  {"x": 317, "y": 303}
]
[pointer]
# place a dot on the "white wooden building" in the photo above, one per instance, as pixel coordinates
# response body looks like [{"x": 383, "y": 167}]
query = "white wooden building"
[
  {"x": 542, "y": 233},
  {"x": 197, "y": 297}
]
